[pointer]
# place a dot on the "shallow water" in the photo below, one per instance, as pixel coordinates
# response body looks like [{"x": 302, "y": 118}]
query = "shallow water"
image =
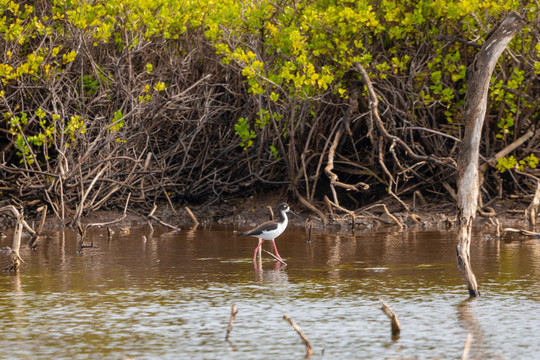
[{"x": 168, "y": 295}]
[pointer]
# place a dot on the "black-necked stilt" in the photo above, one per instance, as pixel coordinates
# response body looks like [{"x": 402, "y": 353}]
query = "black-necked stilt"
[{"x": 270, "y": 230}]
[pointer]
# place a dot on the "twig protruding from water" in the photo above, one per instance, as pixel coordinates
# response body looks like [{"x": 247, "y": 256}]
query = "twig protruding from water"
[
  {"x": 396, "y": 327},
  {"x": 110, "y": 233},
  {"x": 151, "y": 216},
  {"x": 309, "y": 348},
  {"x": 497, "y": 225},
  {"x": 234, "y": 311},
  {"x": 310, "y": 228},
  {"x": 395, "y": 219},
  {"x": 82, "y": 246},
  {"x": 192, "y": 216},
  {"x": 108, "y": 223}
]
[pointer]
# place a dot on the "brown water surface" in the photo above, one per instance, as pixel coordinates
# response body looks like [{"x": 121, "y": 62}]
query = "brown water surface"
[{"x": 167, "y": 295}]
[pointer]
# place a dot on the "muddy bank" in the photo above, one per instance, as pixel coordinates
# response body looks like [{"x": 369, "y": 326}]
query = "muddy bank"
[
  {"x": 509, "y": 212},
  {"x": 437, "y": 213}
]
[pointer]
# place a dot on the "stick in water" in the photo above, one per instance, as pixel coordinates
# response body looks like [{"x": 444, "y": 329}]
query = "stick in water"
[
  {"x": 192, "y": 216},
  {"x": 309, "y": 348},
  {"x": 396, "y": 328},
  {"x": 310, "y": 228},
  {"x": 234, "y": 311},
  {"x": 274, "y": 256}
]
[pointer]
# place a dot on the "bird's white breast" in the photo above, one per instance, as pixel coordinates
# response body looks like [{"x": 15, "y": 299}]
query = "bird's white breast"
[{"x": 274, "y": 233}]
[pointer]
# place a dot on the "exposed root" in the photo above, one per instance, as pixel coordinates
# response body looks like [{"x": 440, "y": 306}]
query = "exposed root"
[
  {"x": 33, "y": 243},
  {"x": 151, "y": 216},
  {"x": 395, "y": 219},
  {"x": 351, "y": 213},
  {"x": 311, "y": 207},
  {"x": 417, "y": 219},
  {"x": 192, "y": 216},
  {"x": 495, "y": 222},
  {"x": 522, "y": 232},
  {"x": 488, "y": 212}
]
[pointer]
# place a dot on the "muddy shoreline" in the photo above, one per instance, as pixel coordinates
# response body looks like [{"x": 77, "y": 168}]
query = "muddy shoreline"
[{"x": 509, "y": 212}]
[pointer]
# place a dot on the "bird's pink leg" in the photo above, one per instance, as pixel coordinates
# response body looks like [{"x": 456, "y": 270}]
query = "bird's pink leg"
[
  {"x": 256, "y": 249},
  {"x": 275, "y": 249}
]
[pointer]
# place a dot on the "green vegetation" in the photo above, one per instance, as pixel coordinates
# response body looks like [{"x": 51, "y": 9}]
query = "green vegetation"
[
  {"x": 218, "y": 91},
  {"x": 504, "y": 163}
]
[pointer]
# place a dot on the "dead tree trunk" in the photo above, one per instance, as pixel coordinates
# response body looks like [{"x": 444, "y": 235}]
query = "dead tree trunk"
[
  {"x": 15, "y": 258},
  {"x": 532, "y": 211},
  {"x": 479, "y": 74}
]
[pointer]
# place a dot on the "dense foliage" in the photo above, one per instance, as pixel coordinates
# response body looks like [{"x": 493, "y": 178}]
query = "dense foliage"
[{"x": 196, "y": 100}]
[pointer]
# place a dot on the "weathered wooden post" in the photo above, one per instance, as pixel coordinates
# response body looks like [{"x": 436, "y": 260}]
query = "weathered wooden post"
[{"x": 479, "y": 75}]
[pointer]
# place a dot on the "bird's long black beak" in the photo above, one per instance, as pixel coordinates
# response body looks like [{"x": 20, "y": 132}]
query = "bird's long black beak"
[{"x": 295, "y": 214}]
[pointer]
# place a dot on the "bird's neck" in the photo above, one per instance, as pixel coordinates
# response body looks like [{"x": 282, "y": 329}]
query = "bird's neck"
[{"x": 283, "y": 217}]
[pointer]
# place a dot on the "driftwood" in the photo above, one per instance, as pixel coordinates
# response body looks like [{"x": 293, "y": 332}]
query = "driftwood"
[
  {"x": 309, "y": 348},
  {"x": 480, "y": 72}
]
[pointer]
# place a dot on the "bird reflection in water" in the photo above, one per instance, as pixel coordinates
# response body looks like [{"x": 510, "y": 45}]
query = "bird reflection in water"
[{"x": 276, "y": 275}]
